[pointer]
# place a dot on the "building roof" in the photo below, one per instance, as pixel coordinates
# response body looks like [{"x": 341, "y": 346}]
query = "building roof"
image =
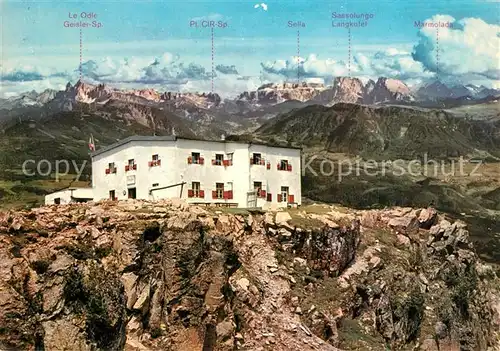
[{"x": 175, "y": 138}]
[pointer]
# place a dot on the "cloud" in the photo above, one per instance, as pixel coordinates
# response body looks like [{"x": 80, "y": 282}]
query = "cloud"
[
  {"x": 263, "y": 5},
  {"x": 469, "y": 46},
  {"x": 224, "y": 69},
  {"x": 20, "y": 76},
  {"x": 310, "y": 67}
]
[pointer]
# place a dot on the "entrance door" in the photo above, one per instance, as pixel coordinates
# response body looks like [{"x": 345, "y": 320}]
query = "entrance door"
[{"x": 131, "y": 193}]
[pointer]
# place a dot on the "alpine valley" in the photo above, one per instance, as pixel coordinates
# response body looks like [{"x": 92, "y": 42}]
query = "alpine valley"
[{"x": 381, "y": 120}]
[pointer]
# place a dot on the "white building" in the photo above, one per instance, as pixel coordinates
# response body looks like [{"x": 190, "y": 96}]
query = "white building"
[
  {"x": 224, "y": 173},
  {"x": 70, "y": 195}
]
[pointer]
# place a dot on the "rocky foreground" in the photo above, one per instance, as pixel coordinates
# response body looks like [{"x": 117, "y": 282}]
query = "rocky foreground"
[{"x": 165, "y": 276}]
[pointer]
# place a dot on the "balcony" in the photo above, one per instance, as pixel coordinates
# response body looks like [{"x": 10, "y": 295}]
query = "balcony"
[
  {"x": 154, "y": 163},
  {"x": 130, "y": 168},
  {"x": 261, "y": 193},
  {"x": 111, "y": 170}
]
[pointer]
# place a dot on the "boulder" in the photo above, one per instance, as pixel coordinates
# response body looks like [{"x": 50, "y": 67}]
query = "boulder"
[
  {"x": 282, "y": 218},
  {"x": 427, "y": 218}
]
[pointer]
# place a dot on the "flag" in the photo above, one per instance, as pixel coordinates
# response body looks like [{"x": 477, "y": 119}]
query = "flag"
[{"x": 91, "y": 143}]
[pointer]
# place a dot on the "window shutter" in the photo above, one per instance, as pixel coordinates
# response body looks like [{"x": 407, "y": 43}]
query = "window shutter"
[
  {"x": 291, "y": 199},
  {"x": 108, "y": 171},
  {"x": 280, "y": 198},
  {"x": 135, "y": 167},
  {"x": 190, "y": 160},
  {"x": 251, "y": 161},
  {"x": 158, "y": 162},
  {"x": 202, "y": 194},
  {"x": 214, "y": 194},
  {"x": 226, "y": 195},
  {"x": 202, "y": 160},
  {"x": 263, "y": 193},
  {"x": 278, "y": 166},
  {"x": 226, "y": 163},
  {"x": 190, "y": 193},
  {"x": 150, "y": 163},
  {"x": 230, "y": 194},
  {"x": 289, "y": 168},
  {"x": 268, "y": 165},
  {"x": 213, "y": 162},
  {"x": 127, "y": 168},
  {"x": 269, "y": 197}
]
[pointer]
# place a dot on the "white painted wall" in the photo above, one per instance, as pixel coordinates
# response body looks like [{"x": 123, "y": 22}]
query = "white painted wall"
[
  {"x": 175, "y": 169},
  {"x": 66, "y": 195}
]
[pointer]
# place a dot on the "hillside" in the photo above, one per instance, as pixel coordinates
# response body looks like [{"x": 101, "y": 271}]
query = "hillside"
[
  {"x": 166, "y": 276},
  {"x": 385, "y": 132}
]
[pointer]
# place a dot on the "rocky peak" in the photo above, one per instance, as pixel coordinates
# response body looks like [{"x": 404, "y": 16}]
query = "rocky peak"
[
  {"x": 273, "y": 93},
  {"x": 387, "y": 90}
]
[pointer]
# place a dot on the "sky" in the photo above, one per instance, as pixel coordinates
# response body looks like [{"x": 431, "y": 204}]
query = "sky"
[{"x": 146, "y": 43}]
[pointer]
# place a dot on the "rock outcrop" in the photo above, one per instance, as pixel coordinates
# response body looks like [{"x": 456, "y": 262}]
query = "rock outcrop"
[{"x": 137, "y": 275}]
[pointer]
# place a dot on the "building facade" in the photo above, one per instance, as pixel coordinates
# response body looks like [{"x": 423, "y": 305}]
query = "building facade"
[
  {"x": 70, "y": 195},
  {"x": 224, "y": 173}
]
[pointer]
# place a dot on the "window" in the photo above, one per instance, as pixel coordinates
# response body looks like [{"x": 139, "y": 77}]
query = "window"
[
  {"x": 284, "y": 193},
  {"x": 57, "y": 201},
  {"x": 259, "y": 192},
  {"x": 131, "y": 165},
  {"x": 195, "y": 186},
  {"x": 155, "y": 161},
  {"x": 132, "y": 193},
  {"x": 229, "y": 160},
  {"x": 155, "y": 185},
  {"x": 195, "y": 156},
  {"x": 219, "y": 190},
  {"x": 219, "y": 160},
  {"x": 256, "y": 159},
  {"x": 196, "y": 191},
  {"x": 283, "y": 165},
  {"x": 111, "y": 168},
  {"x": 112, "y": 195}
]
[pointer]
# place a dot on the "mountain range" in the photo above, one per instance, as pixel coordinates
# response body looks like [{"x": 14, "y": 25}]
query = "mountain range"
[{"x": 377, "y": 119}]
